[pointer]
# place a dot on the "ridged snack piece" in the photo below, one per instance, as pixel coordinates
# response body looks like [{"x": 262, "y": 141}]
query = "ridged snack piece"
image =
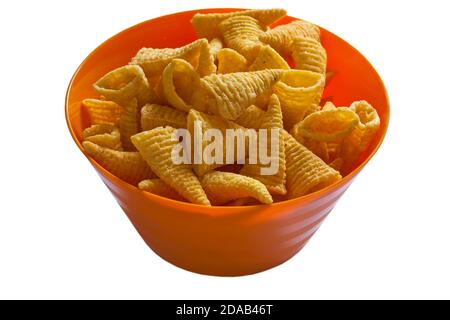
[
  {"x": 242, "y": 33},
  {"x": 252, "y": 117},
  {"x": 229, "y": 61},
  {"x": 228, "y": 95},
  {"x": 155, "y": 115},
  {"x": 368, "y": 116},
  {"x": 156, "y": 147},
  {"x": 105, "y": 135},
  {"x": 129, "y": 124},
  {"x": 179, "y": 81},
  {"x": 327, "y": 125},
  {"x": 128, "y": 166},
  {"x": 124, "y": 84},
  {"x": 160, "y": 188},
  {"x": 361, "y": 136},
  {"x": 268, "y": 58},
  {"x": 209, "y": 122},
  {"x": 280, "y": 38},
  {"x": 101, "y": 111},
  {"x": 276, "y": 183},
  {"x": 197, "y": 53},
  {"x": 308, "y": 54},
  {"x": 300, "y": 92},
  {"x": 207, "y": 25},
  {"x": 305, "y": 172},
  {"x": 223, "y": 187}
]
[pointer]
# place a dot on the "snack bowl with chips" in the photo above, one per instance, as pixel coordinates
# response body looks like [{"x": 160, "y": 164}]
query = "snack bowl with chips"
[{"x": 224, "y": 240}]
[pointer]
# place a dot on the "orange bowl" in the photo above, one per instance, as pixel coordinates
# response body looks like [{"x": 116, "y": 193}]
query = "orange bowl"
[{"x": 224, "y": 241}]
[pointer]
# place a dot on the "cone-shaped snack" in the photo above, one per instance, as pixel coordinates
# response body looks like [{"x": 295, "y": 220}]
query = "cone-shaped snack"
[
  {"x": 198, "y": 123},
  {"x": 155, "y": 115},
  {"x": 268, "y": 58},
  {"x": 223, "y": 187},
  {"x": 101, "y": 111},
  {"x": 327, "y": 125},
  {"x": 308, "y": 54},
  {"x": 280, "y": 38},
  {"x": 207, "y": 25},
  {"x": 228, "y": 95},
  {"x": 300, "y": 93},
  {"x": 368, "y": 117},
  {"x": 275, "y": 182},
  {"x": 241, "y": 33},
  {"x": 305, "y": 171},
  {"x": 361, "y": 136},
  {"x": 128, "y": 166},
  {"x": 179, "y": 81},
  {"x": 156, "y": 148},
  {"x": 198, "y": 54},
  {"x": 160, "y": 188},
  {"x": 124, "y": 84},
  {"x": 251, "y": 117},
  {"x": 129, "y": 124},
  {"x": 229, "y": 61},
  {"x": 105, "y": 135}
]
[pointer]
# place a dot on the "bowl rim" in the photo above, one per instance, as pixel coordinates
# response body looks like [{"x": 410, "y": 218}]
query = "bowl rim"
[{"x": 230, "y": 210}]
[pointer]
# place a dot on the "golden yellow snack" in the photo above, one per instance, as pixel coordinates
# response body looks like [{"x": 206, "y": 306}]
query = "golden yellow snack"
[
  {"x": 361, "y": 136},
  {"x": 241, "y": 33},
  {"x": 275, "y": 183},
  {"x": 222, "y": 187},
  {"x": 128, "y": 166},
  {"x": 198, "y": 54},
  {"x": 207, "y": 25},
  {"x": 124, "y": 84},
  {"x": 156, "y": 147},
  {"x": 179, "y": 82},
  {"x": 129, "y": 124},
  {"x": 251, "y": 117},
  {"x": 215, "y": 45},
  {"x": 160, "y": 188},
  {"x": 101, "y": 111},
  {"x": 305, "y": 172},
  {"x": 328, "y": 106},
  {"x": 351, "y": 147},
  {"x": 328, "y": 125},
  {"x": 308, "y": 54},
  {"x": 300, "y": 92},
  {"x": 105, "y": 135},
  {"x": 368, "y": 117},
  {"x": 229, "y": 60},
  {"x": 268, "y": 58},
  {"x": 206, "y": 60},
  {"x": 207, "y": 122},
  {"x": 155, "y": 115},
  {"x": 280, "y": 38},
  {"x": 228, "y": 95}
]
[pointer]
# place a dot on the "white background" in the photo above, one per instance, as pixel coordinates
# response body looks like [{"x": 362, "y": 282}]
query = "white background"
[{"x": 62, "y": 235}]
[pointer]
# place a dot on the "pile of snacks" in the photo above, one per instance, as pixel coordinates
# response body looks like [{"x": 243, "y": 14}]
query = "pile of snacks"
[{"x": 236, "y": 76}]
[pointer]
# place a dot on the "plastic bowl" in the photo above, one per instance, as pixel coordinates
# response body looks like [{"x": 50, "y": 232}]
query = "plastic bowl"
[{"x": 224, "y": 241}]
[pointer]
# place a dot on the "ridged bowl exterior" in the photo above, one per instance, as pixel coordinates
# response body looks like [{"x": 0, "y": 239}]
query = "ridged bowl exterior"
[{"x": 224, "y": 241}]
